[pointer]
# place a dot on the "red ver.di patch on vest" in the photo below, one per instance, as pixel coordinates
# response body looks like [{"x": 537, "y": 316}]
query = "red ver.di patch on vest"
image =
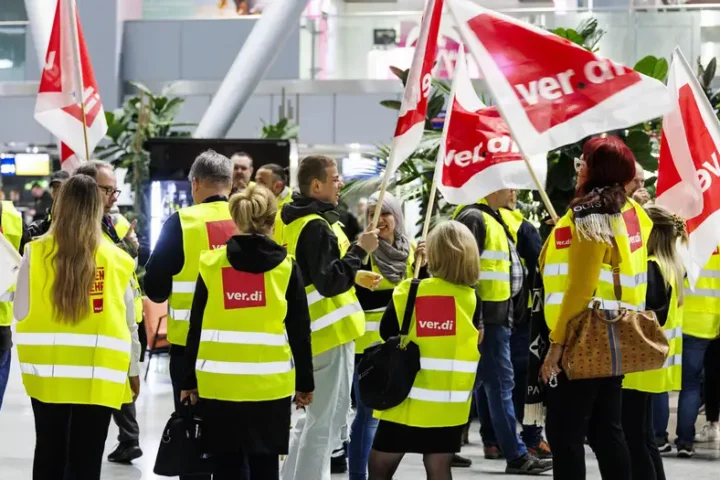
[
  {"x": 563, "y": 238},
  {"x": 242, "y": 289},
  {"x": 219, "y": 232},
  {"x": 96, "y": 290},
  {"x": 632, "y": 224},
  {"x": 435, "y": 316}
]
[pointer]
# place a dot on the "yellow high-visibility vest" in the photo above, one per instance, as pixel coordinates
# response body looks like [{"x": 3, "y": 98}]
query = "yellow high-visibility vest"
[
  {"x": 84, "y": 363},
  {"x": 336, "y": 320},
  {"x": 284, "y": 198},
  {"x": 11, "y": 226},
  {"x": 244, "y": 353},
  {"x": 669, "y": 377},
  {"x": 121, "y": 224},
  {"x": 442, "y": 327},
  {"x": 633, "y": 268},
  {"x": 137, "y": 292},
  {"x": 513, "y": 219},
  {"x": 495, "y": 262},
  {"x": 373, "y": 317},
  {"x": 205, "y": 226},
  {"x": 702, "y": 306}
]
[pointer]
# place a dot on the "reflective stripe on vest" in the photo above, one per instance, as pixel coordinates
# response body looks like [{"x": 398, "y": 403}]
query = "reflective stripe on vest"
[
  {"x": 11, "y": 226},
  {"x": 334, "y": 321},
  {"x": 442, "y": 329},
  {"x": 633, "y": 267},
  {"x": 74, "y": 372},
  {"x": 372, "y": 336},
  {"x": 204, "y": 226},
  {"x": 244, "y": 353},
  {"x": 85, "y": 362},
  {"x": 669, "y": 377}
]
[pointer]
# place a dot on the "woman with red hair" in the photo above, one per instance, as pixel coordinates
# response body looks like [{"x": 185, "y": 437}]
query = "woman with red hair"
[{"x": 576, "y": 267}]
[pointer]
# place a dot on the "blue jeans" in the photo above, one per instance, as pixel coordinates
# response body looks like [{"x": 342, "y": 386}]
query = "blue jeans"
[
  {"x": 362, "y": 433},
  {"x": 693, "y": 357},
  {"x": 495, "y": 376},
  {"x": 661, "y": 415},
  {"x": 5, "y": 357},
  {"x": 520, "y": 355}
]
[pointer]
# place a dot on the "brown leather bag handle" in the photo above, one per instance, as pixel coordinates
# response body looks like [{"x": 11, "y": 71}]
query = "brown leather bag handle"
[{"x": 615, "y": 264}]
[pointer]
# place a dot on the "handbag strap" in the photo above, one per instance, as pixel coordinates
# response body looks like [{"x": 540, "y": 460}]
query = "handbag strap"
[
  {"x": 615, "y": 264},
  {"x": 410, "y": 307}
]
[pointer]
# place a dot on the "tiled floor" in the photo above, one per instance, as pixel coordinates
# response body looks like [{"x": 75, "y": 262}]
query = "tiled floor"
[{"x": 17, "y": 438}]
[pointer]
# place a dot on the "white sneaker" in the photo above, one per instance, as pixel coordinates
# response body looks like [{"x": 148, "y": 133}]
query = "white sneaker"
[{"x": 709, "y": 433}]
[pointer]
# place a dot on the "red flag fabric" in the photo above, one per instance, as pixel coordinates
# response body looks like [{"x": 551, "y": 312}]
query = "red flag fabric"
[
  {"x": 689, "y": 171},
  {"x": 478, "y": 155},
  {"x": 67, "y": 80},
  {"x": 411, "y": 120},
  {"x": 549, "y": 90}
]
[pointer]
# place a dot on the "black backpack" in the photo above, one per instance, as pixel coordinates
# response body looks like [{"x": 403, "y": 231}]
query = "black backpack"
[{"x": 387, "y": 371}]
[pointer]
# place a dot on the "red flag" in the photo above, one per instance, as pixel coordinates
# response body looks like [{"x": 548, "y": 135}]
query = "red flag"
[
  {"x": 477, "y": 154},
  {"x": 411, "y": 121},
  {"x": 689, "y": 171},
  {"x": 67, "y": 80},
  {"x": 549, "y": 90}
]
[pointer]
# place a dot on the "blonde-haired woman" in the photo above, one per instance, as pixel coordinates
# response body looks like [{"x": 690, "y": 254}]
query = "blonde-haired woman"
[
  {"x": 77, "y": 336},
  {"x": 249, "y": 323},
  {"x": 665, "y": 294},
  {"x": 447, "y": 328}
]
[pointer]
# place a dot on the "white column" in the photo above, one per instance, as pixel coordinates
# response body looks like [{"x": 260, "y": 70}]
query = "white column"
[{"x": 256, "y": 56}]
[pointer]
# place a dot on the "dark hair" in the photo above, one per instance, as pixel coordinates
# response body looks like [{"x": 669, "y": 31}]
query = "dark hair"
[
  {"x": 609, "y": 166},
  {"x": 243, "y": 154},
  {"x": 278, "y": 172},
  {"x": 313, "y": 168},
  {"x": 36, "y": 185}
]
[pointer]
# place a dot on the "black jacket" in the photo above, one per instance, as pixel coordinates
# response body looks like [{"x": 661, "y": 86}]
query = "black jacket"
[
  {"x": 317, "y": 252},
  {"x": 258, "y": 254}
]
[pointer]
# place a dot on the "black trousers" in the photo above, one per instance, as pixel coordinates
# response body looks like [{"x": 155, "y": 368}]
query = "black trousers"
[
  {"x": 712, "y": 381},
  {"x": 587, "y": 408},
  {"x": 637, "y": 423},
  {"x": 235, "y": 467},
  {"x": 70, "y": 440},
  {"x": 126, "y": 420}
]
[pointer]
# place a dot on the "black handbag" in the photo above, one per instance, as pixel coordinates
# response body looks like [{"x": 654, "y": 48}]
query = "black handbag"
[
  {"x": 181, "y": 449},
  {"x": 387, "y": 371}
]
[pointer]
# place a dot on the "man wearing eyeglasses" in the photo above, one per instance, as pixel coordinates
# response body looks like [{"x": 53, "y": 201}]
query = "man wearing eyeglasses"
[{"x": 242, "y": 171}]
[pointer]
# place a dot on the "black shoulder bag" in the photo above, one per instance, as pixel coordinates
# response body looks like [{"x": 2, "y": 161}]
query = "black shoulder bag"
[{"x": 387, "y": 371}]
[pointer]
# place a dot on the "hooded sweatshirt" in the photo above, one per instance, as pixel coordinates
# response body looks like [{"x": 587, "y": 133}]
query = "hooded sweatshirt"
[
  {"x": 259, "y": 254},
  {"x": 317, "y": 252}
]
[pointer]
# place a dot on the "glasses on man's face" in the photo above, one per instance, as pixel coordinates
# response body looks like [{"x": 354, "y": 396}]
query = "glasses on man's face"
[{"x": 110, "y": 191}]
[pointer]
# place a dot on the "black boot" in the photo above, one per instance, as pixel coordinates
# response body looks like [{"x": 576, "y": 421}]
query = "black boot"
[{"x": 338, "y": 461}]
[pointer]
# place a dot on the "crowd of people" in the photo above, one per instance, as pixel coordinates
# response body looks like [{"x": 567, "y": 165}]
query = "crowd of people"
[{"x": 272, "y": 306}]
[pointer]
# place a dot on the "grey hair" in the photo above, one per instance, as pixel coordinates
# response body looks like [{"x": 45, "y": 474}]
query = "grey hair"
[
  {"x": 91, "y": 168},
  {"x": 213, "y": 167}
]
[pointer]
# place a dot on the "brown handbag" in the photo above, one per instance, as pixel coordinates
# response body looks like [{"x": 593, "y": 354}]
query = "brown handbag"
[{"x": 598, "y": 345}]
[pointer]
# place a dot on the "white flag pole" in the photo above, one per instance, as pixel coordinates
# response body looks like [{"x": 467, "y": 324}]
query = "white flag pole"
[
  {"x": 77, "y": 62},
  {"x": 428, "y": 216}
]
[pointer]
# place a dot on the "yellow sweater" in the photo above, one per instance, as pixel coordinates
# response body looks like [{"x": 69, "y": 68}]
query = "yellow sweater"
[{"x": 586, "y": 258}]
